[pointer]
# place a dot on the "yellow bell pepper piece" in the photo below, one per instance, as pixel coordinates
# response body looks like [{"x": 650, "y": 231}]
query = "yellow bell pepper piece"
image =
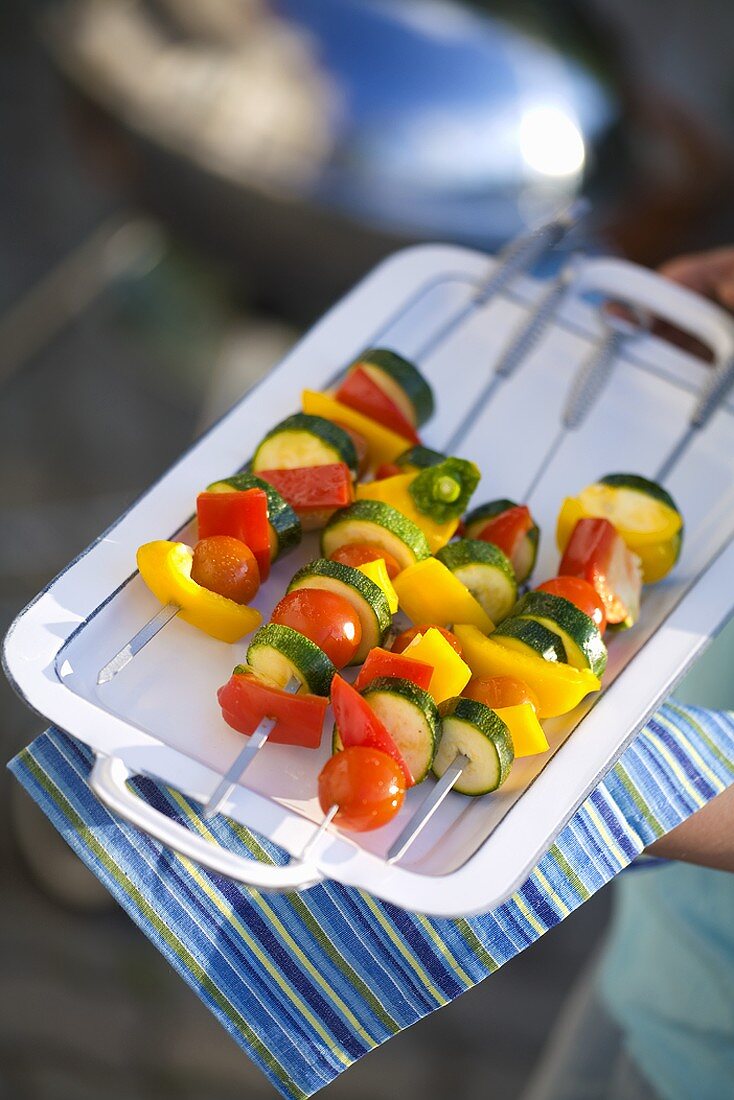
[
  {"x": 166, "y": 569},
  {"x": 377, "y": 572},
  {"x": 558, "y": 687},
  {"x": 394, "y": 490},
  {"x": 430, "y": 593},
  {"x": 383, "y": 445},
  {"x": 450, "y": 673},
  {"x": 527, "y": 734}
]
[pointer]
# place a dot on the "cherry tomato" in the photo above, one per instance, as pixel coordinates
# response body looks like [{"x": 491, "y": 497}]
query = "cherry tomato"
[
  {"x": 403, "y": 640},
  {"x": 227, "y": 566},
  {"x": 500, "y": 691},
  {"x": 579, "y": 592},
  {"x": 326, "y": 618},
  {"x": 360, "y": 446},
  {"x": 367, "y": 785},
  {"x": 359, "y": 553}
]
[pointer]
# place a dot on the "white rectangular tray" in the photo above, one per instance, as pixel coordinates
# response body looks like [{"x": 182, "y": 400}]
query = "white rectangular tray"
[{"x": 160, "y": 715}]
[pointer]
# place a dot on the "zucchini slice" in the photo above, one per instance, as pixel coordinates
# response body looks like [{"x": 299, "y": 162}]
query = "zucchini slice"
[
  {"x": 366, "y": 597},
  {"x": 305, "y": 440},
  {"x": 410, "y": 716},
  {"x": 379, "y": 524},
  {"x": 401, "y": 381},
  {"x": 285, "y": 526},
  {"x": 486, "y": 572},
  {"x": 531, "y": 638},
  {"x": 420, "y": 458},
  {"x": 579, "y": 634},
  {"x": 279, "y": 652},
  {"x": 478, "y": 732},
  {"x": 527, "y": 551}
]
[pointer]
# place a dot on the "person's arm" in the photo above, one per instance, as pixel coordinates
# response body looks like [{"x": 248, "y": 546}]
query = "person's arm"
[{"x": 706, "y": 838}]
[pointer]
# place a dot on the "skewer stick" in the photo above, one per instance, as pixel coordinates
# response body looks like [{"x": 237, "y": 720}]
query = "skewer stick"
[
  {"x": 714, "y": 393},
  {"x": 244, "y": 758},
  {"x": 428, "y": 807},
  {"x": 125, "y": 655},
  {"x": 325, "y": 823}
]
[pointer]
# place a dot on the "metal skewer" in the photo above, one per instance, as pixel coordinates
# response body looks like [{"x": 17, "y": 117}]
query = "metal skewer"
[
  {"x": 428, "y": 807},
  {"x": 146, "y": 633},
  {"x": 714, "y": 393},
  {"x": 244, "y": 758},
  {"x": 325, "y": 823}
]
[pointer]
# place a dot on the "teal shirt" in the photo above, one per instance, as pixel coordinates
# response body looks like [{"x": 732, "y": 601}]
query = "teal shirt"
[{"x": 667, "y": 974}]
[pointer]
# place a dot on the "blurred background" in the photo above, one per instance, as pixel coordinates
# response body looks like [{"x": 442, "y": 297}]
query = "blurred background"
[{"x": 185, "y": 186}]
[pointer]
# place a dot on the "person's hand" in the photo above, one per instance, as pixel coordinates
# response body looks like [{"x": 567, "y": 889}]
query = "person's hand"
[{"x": 709, "y": 273}]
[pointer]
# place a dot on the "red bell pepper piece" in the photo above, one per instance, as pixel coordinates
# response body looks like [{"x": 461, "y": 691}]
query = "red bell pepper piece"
[
  {"x": 243, "y": 515},
  {"x": 299, "y": 719},
  {"x": 314, "y": 492},
  {"x": 598, "y": 554},
  {"x": 508, "y": 529},
  {"x": 359, "y": 392},
  {"x": 388, "y": 469},
  {"x": 383, "y": 662},
  {"x": 359, "y": 725}
]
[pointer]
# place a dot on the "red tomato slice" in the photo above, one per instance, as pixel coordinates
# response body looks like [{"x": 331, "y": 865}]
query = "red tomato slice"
[
  {"x": 500, "y": 691},
  {"x": 227, "y": 566},
  {"x": 359, "y": 725},
  {"x": 359, "y": 392},
  {"x": 382, "y": 662},
  {"x": 579, "y": 592},
  {"x": 299, "y": 719},
  {"x": 327, "y": 618},
  {"x": 314, "y": 492},
  {"x": 367, "y": 786},
  {"x": 508, "y": 529},
  {"x": 403, "y": 640},
  {"x": 243, "y": 515},
  {"x": 359, "y": 553}
]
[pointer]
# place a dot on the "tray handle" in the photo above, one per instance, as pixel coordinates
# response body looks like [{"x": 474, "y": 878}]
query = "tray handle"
[
  {"x": 673, "y": 303},
  {"x": 108, "y": 780}
]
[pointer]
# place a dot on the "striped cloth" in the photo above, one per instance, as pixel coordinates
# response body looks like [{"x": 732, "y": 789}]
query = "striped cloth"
[{"x": 308, "y": 983}]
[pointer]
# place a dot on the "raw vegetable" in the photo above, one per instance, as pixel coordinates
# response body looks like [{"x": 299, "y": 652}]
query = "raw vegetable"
[
  {"x": 226, "y": 566},
  {"x": 401, "y": 381},
  {"x": 531, "y": 638},
  {"x": 558, "y": 687},
  {"x": 485, "y": 571},
  {"x": 244, "y": 516},
  {"x": 510, "y": 527},
  {"x": 442, "y": 492},
  {"x": 580, "y": 635},
  {"x": 383, "y": 445},
  {"x": 580, "y": 593},
  {"x": 165, "y": 567},
  {"x": 366, "y": 785},
  {"x": 429, "y": 592},
  {"x": 279, "y": 652},
  {"x": 596, "y": 552},
  {"x": 500, "y": 692},
  {"x": 472, "y": 729},
  {"x": 418, "y": 458},
  {"x": 285, "y": 526},
  {"x": 383, "y": 662},
  {"x": 528, "y": 736},
  {"x": 314, "y": 492},
  {"x": 450, "y": 673},
  {"x": 395, "y": 491},
  {"x": 359, "y": 391},
  {"x": 304, "y": 440},
  {"x": 380, "y": 525},
  {"x": 403, "y": 640},
  {"x": 377, "y": 572},
  {"x": 411, "y": 717},
  {"x": 326, "y": 618},
  {"x": 357, "y": 724},
  {"x": 360, "y": 553},
  {"x": 247, "y": 698},
  {"x": 367, "y": 598},
  {"x": 643, "y": 513}
]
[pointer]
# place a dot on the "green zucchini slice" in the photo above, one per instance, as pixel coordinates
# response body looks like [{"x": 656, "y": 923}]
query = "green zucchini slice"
[
  {"x": 367, "y": 598},
  {"x": 420, "y": 458},
  {"x": 285, "y": 526},
  {"x": 476, "y": 731},
  {"x": 526, "y": 553},
  {"x": 379, "y": 524},
  {"x": 401, "y": 381},
  {"x": 579, "y": 634},
  {"x": 304, "y": 440},
  {"x": 410, "y": 716},
  {"x": 486, "y": 572},
  {"x": 528, "y": 636},
  {"x": 279, "y": 652}
]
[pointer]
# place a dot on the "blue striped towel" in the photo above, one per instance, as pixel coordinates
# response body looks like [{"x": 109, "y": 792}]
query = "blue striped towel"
[{"x": 308, "y": 983}]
